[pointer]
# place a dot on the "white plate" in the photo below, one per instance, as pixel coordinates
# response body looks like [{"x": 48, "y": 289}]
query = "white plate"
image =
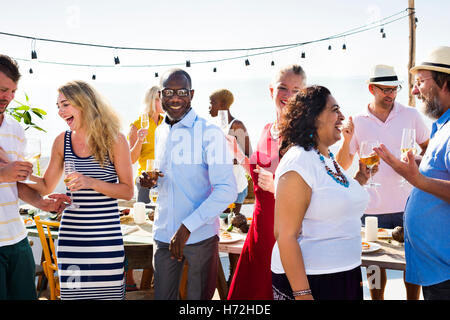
[
  {"x": 234, "y": 237},
  {"x": 372, "y": 247}
]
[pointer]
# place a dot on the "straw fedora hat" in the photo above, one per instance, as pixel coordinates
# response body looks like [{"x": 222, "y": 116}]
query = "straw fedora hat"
[
  {"x": 438, "y": 60},
  {"x": 384, "y": 75}
]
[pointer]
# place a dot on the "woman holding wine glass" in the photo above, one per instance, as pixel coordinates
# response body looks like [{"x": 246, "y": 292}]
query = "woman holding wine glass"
[
  {"x": 102, "y": 174},
  {"x": 142, "y": 136}
]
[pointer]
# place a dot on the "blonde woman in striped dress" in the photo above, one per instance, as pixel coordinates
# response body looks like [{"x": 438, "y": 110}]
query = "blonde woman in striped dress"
[{"x": 90, "y": 249}]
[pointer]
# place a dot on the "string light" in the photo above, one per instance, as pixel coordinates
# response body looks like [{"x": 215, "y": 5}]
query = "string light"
[
  {"x": 272, "y": 63},
  {"x": 188, "y": 63},
  {"x": 270, "y": 49},
  {"x": 303, "y": 55},
  {"x": 344, "y": 47},
  {"x": 156, "y": 75},
  {"x": 94, "y": 77},
  {"x": 215, "y": 70}
]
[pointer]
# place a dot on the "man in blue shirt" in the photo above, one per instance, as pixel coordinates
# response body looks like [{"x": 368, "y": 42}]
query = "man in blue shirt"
[
  {"x": 195, "y": 185},
  {"x": 427, "y": 212}
]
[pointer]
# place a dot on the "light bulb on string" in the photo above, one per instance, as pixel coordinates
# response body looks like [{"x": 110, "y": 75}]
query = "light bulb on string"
[
  {"x": 344, "y": 47},
  {"x": 384, "y": 35},
  {"x": 329, "y": 47},
  {"x": 188, "y": 63},
  {"x": 94, "y": 77},
  {"x": 247, "y": 63},
  {"x": 303, "y": 55},
  {"x": 272, "y": 63},
  {"x": 156, "y": 75},
  {"x": 33, "y": 50},
  {"x": 215, "y": 70}
]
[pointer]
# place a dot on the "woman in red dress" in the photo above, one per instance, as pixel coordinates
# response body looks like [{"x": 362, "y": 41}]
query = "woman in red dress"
[{"x": 252, "y": 279}]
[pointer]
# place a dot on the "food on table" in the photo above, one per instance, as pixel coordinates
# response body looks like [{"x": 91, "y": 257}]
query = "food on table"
[
  {"x": 151, "y": 215},
  {"x": 226, "y": 235},
  {"x": 28, "y": 221},
  {"x": 126, "y": 219},
  {"x": 240, "y": 221},
  {"x": 365, "y": 246},
  {"x": 398, "y": 234},
  {"x": 124, "y": 212}
]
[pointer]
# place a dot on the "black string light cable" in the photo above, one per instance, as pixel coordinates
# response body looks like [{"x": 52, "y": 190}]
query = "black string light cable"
[{"x": 267, "y": 49}]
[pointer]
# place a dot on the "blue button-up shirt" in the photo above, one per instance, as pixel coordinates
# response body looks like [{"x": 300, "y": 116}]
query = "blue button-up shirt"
[
  {"x": 427, "y": 218},
  {"x": 198, "y": 182}
]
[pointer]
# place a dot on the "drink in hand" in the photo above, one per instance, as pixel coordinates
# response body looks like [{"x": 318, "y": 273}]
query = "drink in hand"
[{"x": 371, "y": 160}]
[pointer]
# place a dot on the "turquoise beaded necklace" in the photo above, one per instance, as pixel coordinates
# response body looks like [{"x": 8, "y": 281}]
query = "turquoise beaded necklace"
[{"x": 337, "y": 176}]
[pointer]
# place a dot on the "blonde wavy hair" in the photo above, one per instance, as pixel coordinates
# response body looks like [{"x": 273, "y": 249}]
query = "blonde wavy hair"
[
  {"x": 149, "y": 100},
  {"x": 100, "y": 120}
]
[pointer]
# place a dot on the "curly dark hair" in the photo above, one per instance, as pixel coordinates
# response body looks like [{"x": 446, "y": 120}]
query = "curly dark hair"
[{"x": 298, "y": 121}]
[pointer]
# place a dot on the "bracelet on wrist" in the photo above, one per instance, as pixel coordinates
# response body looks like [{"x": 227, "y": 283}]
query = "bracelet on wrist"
[{"x": 299, "y": 293}]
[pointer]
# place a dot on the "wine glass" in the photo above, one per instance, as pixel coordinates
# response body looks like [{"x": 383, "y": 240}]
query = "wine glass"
[
  {"x": 145, "y": 123},
  {"x": 408, "y": 144},
  {"x": 223, "y": 120},
  {"x": 153, "y": 195},
  {"x": 69, "y": 167},
  {"x": 369, "y": 158},
  {"x": 32, "y": 153}
]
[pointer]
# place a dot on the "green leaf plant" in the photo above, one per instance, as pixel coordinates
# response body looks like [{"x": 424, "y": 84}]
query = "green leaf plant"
[{"x": 24, "y": 111}]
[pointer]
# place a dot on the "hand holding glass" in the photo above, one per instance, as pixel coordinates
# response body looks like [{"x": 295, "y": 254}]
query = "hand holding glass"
[
  {"x": 145, "y": 123},
  {"x": 32, "y": 154},
  {"x": 369, "y": 158},
  {"x": 69, "y": 168}
]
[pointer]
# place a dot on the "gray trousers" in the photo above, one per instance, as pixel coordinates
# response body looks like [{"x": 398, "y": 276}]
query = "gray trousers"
[{"x": 202, "y": 259}]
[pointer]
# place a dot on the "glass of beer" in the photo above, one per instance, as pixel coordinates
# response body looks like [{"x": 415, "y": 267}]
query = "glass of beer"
[
  {"x": 69, "y": 167},
  {"x": 368, "y": 156},
  {"x": 32, "y": 153}
]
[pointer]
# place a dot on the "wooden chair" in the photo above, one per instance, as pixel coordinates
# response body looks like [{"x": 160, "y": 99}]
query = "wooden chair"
[{"x": 49, "y": 264}]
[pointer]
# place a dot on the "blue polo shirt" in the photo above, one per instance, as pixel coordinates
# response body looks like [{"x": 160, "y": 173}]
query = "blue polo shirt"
[
  {"x": 198, "y": 182},
  {"x": 427, "y": 218}
]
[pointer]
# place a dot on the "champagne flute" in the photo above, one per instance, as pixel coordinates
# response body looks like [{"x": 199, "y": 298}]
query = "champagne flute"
[
  {"x": 69, "y": 167},
  {"x": 223, "y": 120},
  {"x": 153, "y": 195},
  {"x": 369, "y": 158},
  {"x": 32, "y": 153},
  {"x": 145, "y": 123},
  {"x": 408, "y": 144}
]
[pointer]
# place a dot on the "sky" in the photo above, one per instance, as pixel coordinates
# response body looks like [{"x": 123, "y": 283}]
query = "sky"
[
  {"x": 214, "y": 24},
  {"x": 209, "y": 24}
]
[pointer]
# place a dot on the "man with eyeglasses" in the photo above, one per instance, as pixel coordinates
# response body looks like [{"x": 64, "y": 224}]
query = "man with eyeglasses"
[
  {"x": 383, "y": 120},
  {"x": 196, "y": 184},
  {"x": 427, "y": 213}
]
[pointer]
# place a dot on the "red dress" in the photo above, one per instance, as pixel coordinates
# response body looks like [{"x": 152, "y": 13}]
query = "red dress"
[{"x": 252, "y": 279}]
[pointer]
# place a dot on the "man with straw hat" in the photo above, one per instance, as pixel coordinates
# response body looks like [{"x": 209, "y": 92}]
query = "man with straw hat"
[
  {"x": 427, "y": 213},
  {"x": 383, "y": 120}
]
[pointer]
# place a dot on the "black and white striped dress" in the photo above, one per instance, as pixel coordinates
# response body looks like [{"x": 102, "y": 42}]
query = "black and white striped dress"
[{"x": 90, "y": 250}]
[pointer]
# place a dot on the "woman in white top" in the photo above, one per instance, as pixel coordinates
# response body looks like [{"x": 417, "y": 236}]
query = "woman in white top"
[{"x": 318, "y": 207}]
